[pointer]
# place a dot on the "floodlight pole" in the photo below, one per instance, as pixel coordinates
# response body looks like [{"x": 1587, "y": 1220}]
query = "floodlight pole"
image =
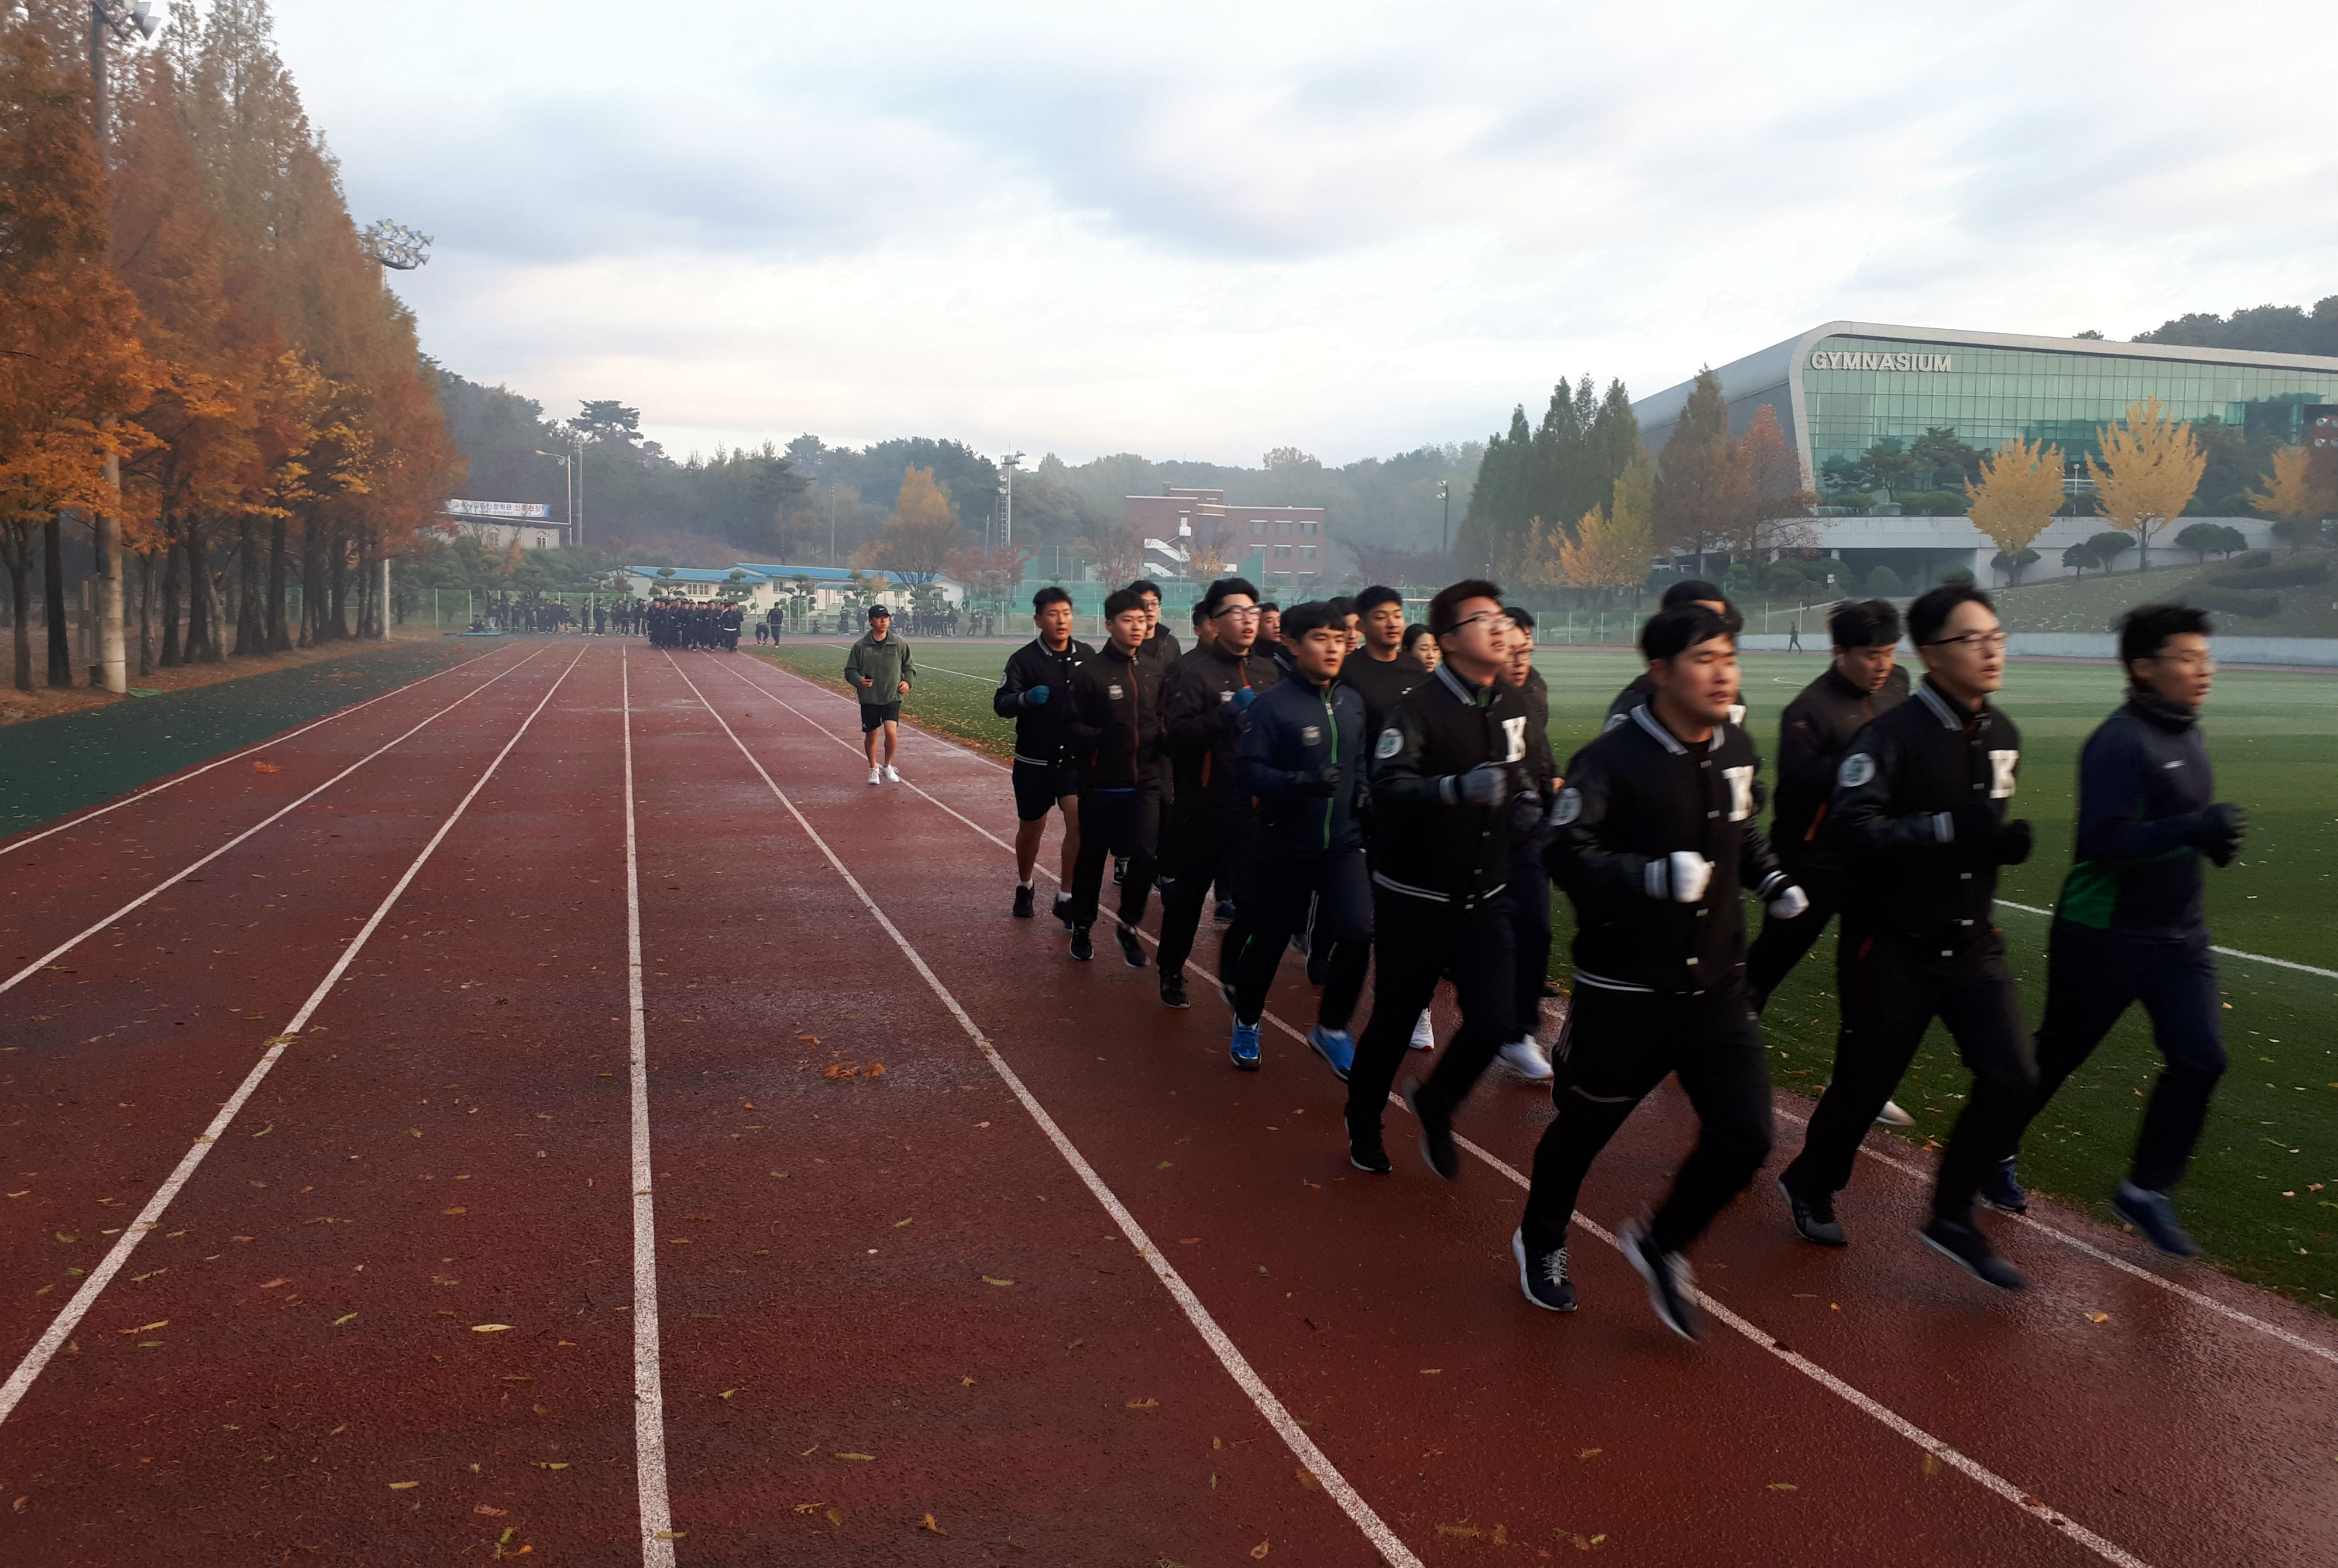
[
  {"x": 1445, "y": 538},
  {"x": 1007, "y": 468}
]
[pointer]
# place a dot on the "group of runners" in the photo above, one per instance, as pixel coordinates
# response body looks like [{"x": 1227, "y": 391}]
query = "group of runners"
[
  {"x": 1386, "y": 797},
  {"x": 687, "y": 624}
]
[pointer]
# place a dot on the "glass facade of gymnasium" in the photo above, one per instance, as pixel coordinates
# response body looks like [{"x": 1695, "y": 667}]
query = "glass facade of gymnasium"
[{"x": 1988, "y": 393}]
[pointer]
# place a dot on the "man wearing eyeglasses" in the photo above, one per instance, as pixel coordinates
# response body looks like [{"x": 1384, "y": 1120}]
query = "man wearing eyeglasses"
[
  {"x": 1921, "y": 812},
  {"x": 2128, "y": 926}
]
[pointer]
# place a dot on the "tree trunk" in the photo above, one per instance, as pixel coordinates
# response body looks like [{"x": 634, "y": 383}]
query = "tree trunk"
[
  {"x": 145, "y": 612},
  {"x": 52, "y": 600},
  {"x": 250, "y": 617},
  {"x": 337, "y": 562},
  {"x": 173, "y": 650},
  {"x": 20, "y": 607},
  {"x": 199, "y": 629},
  {"x": 279, "y": 637}
]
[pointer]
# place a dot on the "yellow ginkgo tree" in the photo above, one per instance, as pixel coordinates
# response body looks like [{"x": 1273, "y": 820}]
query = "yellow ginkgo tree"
[
  {"x": 2298, "y": 492},
  {"x": 2150, "y": 469},
  {"x": 2019, "y": 491}
]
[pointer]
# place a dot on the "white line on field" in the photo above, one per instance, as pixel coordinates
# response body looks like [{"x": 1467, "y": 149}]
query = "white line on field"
[
  {"x": 21, "y": 1380},
  {"x": 1384, "y": 1540},
  {"x": 175, "y": 877},
  {"x": 2227, "y": 952},
  {"x": 649, "y": 1382},
  {"x": 272, "y": 741}
]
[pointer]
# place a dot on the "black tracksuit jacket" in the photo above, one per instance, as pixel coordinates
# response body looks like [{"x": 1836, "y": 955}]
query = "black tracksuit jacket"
[
  {"x": 2143, "y": 783},
  {"x": 1203, "y": 724},
  {"x": 1918, "y": 800},
  {"x": 1042, "y": 734},
  {"x": 1429, "y": 843},
  {"x": 1634, "y": 798},
  {"x": 1114, "y": 722},
  {"x": 1294, "y": 735},
  {"x": 1814, "y": 733}
]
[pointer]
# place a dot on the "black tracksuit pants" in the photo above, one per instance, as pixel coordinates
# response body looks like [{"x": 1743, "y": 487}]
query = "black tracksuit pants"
[
  {"x": 1530, "y": 897},
  {"x": 2093, "y": 977},
  {"x": 1891, "y": 990},
  {"x": 1209, "y": 847},
  {"x": 1616, "y": 1048},
  {"x": 1415, "y": 941},
  {"x": 1341, "y": 891},
  {"x": 1116, "y": 822},
  {"x": 1782, "y": 943}
]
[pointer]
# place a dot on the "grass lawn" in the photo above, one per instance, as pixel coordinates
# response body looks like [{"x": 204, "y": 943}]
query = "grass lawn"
[{"x": 2251, "y": 1199}]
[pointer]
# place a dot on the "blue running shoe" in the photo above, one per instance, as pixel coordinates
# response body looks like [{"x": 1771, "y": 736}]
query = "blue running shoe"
[
  {"x": 2151, "y": 1213},
  {"x": 1245, "y": 1051},
  {"x": 2002, "y": 1192},
  {"x": 1337, "y": 1048}
]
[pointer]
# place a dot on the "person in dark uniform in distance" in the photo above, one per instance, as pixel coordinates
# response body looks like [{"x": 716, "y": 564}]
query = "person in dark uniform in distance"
[
  {"x": 1115, "y": 731},
  {"x": 2129, "y": 926},
  {"x": 1212, "y": 835},
  {"x": 1529, "y": 893},
  {"x": 1657, "y": 834},
  {"x": 1449, "y": 786},
  {"x": 1380, "y": 672},
  {"x": 1920, "y": 809},
  {"x": 1036, "y": 693},
  {"x": 1161, "y": 644},
  {"x": 1302, "y": 755},
  {"x": 1640, "y": 690}
]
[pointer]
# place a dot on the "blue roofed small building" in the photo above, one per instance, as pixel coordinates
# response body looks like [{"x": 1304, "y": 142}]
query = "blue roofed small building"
[{"x": 759, "y": 584}]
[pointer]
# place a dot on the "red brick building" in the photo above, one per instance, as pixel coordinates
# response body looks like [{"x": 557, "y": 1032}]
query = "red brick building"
[{"x": 1289, "y": 541}]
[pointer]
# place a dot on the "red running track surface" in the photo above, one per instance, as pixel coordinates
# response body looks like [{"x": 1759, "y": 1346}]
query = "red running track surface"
[{"x": 477, "y": 1258}]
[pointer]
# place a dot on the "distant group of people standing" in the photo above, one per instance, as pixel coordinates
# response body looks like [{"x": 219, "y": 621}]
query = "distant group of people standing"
[{"x": 682, "y": 623}]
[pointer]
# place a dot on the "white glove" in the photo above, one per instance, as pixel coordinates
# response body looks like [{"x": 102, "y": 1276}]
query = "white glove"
[
  {"x": 1793, "y": 901},
  {"x": 1680, "y": 877}
]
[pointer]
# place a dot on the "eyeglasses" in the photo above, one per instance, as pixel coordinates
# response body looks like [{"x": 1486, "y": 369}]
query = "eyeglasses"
[
  {"x": 1501, "y": 615},
  {"x": 1984, "y": 642},
  {"x": 1239, "y": 613},
  {"x": 2205, "y": 663}
]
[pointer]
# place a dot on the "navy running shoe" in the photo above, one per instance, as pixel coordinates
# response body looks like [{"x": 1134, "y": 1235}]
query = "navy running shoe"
[
  {"x": 1244, "y": 1051},
  {"x": 1963, "y": 1244},
  {"x": 1225, "y": 913},
  {"x": 1543, "y": 1275},
  {"x": 1671, "y": 1285},
  {"x": 1083, "y": 948},
  {"x": 1437, "y": 1149},
  {"x": 1132, "y": 951},
  {"x": 2151, "y": 1213},
  {"x": 2002, "y": 1192},
  {"x": 1337, "y": 1048}
]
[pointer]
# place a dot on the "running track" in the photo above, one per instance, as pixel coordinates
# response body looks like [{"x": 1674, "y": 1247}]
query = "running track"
[{"x": 469, "y": 1138}]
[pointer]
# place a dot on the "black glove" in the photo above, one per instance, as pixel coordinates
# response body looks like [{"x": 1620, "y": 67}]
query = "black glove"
[
  {"x": 1326, "y": 783},
  {"x": 2216, "y": 831},
  {"x": 1526, "y": 815},
  {"x": 2012, "y": 844}
]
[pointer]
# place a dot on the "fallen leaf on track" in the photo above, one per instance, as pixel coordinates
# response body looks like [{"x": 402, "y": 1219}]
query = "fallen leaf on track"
[
  {"x": 861, "y": 1457},
  {"x": 876, "y": 1069},
  {"x": 1260, "y": 1549},
  {"x": 931, "y": 1526},
  {"x": 489, "y": 1327},
  {"x": 496, "y": 1512},
  {"x": 1142, "y": 1405},
  {"x": 836, "y": 1515},
  {"x": 2099, "y": 1317},
  {"x": 404, "y": 1485},
  {"x": 1307, "y": 1479},
  {"x": 273, "y": 1284},
  {"x": 987, "y": 1279},
  {"x": 1784, "y": 1486},
  {"x": 266, "y": 768}
]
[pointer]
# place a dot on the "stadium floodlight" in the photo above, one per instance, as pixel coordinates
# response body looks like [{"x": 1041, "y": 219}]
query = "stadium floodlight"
[
  {"x": 121, "y": 21},
  {"x": 396, "y": 246}
]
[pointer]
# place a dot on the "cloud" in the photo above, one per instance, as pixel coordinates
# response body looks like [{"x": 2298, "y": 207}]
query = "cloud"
[{"x": 1203, "y": 230}]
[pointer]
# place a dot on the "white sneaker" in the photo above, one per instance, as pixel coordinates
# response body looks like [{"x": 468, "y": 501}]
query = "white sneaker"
[
  {"x": 1892, "y": 1116},
  {"x": 1524, "y": 1057},
  {"x": 876, "y": 775},
  {"x": 892, "y": 774},
  {"x": 1424, "y": 1034}
]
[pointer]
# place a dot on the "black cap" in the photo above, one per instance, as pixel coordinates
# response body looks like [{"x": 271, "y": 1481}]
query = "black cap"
[{"x": 877, "y": 611}]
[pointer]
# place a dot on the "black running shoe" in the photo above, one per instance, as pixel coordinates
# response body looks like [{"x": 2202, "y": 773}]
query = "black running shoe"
[
  {"x": 1173, "y": 992},
  {"x": 1437, "y": 1149},
  {"x": 1119, "y": 869},
  {"x": 2151, "y": 1213},
  {"x": 1964, "y": 1245},
  {"x": 1024, "y": 907},
  {"x": 2002, "y": 1192},
  {"x": 1064, "y": 909},
  {"x": 1543, "y": 1275},
  {"x": 1131, "y": 949},
  {"x": 1672, "y": 1284},
  {"x": 1083, "y": 949},
  {"x": 1815, "y": 1218},
  {"x": 1366, "y": 1154},
  {"x": 1225, "y": 913}
]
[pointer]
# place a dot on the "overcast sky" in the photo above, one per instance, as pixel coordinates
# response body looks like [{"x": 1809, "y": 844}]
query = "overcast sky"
[{"x": 1202, "y": 230}]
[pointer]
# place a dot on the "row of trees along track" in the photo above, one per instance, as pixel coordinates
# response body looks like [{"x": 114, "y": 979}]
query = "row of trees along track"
[{"x": 184, "y": 302}]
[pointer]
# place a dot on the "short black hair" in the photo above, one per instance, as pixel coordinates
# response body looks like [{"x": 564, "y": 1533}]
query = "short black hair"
[
  {"x": 1342, "y": 606},
  {"x": 1520, "y": 616},
  {"x": 1200, "y": 613},
  {"x": 1225, "y": 588},
  {"x": 1670, "y": 633},
  {"x": 1412, "y": 634},
  {"x": 1445, "y": 610},
  {"x": 1378, "y": 594},
  {"x": 1146, "y": 585},
  {"x": 1865, "y": 623},
  {"x": 1120, "y": 601},
  {"x": 1932, "y": 610},
  {"x": 1053, "y": 594},
  {"x": 1267, "y": 605},
  {"x": 1688, "y": 590},
  {"x": 2145, "y": 630},
  {"x": 1314, "y": 615}
]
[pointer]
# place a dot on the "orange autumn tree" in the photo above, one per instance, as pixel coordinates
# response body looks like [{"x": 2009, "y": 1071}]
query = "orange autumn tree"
[{"x": 921, "y": 535}]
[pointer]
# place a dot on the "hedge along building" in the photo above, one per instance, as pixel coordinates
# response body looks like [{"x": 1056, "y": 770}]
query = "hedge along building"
[{"x": 1842, "y": 389}]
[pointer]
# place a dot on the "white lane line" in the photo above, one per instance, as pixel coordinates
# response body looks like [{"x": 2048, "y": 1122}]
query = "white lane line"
[
  {"x": 1385, "y": 1541},
  {"x": 273, "y": 741},
  {"x": 150, "y": 1217},
  {"x": 2227, "y": 952},
  {"x": 66, "y": 947},
  {"x": 2109, "y": 1551},
  {"x": 2029, "y": 1504},
  {"x": 2233, "y": 1314},
  {"x": 2295, "y": 1341},
  {"x": 649, "y": 1381}
]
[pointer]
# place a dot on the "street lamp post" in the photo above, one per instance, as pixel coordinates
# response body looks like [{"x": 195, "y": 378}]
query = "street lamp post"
[
  {"x": 108, "y": 19},
  {"x": 1444, "y": 493},
  {"x": 399, "y": 249},
  {"x": 572, "y": 491},
  {"x": 1007, "y": 479}
]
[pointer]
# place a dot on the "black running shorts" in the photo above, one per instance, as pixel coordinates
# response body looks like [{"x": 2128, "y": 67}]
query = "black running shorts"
[
  {"x": 1038, "y": 785},
  {"x": 873, "y": 714}
]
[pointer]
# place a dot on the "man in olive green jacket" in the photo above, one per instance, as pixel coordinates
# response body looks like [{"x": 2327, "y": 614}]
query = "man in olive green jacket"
[{"x": 879, "y": 670}]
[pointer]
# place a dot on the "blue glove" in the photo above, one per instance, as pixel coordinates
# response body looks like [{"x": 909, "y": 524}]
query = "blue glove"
[
  {"x": 1245, "y": 698},
  {"x": 1037, "y": 697}
]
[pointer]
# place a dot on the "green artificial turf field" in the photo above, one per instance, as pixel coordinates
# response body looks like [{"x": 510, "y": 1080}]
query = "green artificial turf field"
[{"x": 2263, "y": 1195}]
